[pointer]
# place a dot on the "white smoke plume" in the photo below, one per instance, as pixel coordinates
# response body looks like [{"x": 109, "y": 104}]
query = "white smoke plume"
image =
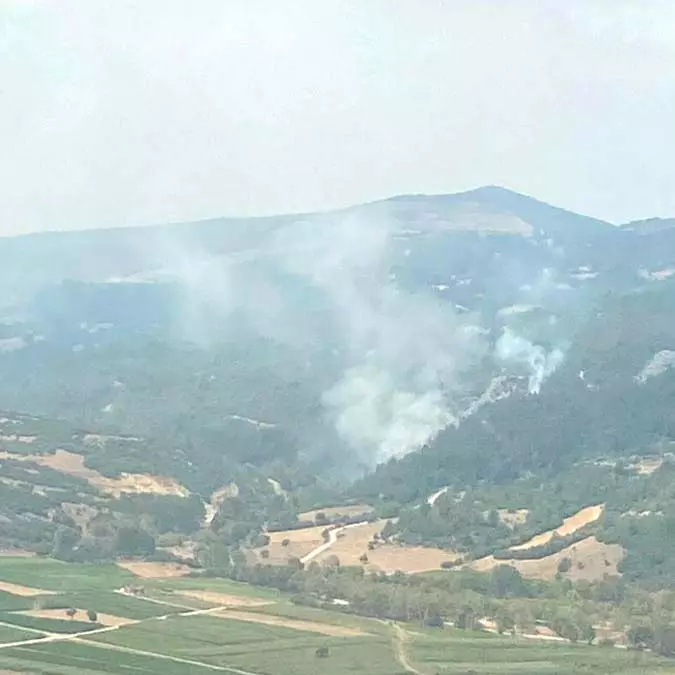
[
  {"x": 515, "y": 349},
  {"x": 408, "y": 353},
  {"x": 404, "y": 356}
]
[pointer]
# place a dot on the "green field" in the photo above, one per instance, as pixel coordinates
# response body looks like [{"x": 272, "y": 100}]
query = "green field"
[
  {"x": 215, "y": 586},
  {"x": 11, "y": 634},
  {"x": 53, "y": 575},
  {"x": 48, "y": 625},
  {"x": 10, "y": 603},
  {"x": 255, "y": 647},
  {"x": 458, "y": 652},
  {"x": 109, "y": 602},
  {"x": 286, "y": 609},
  {"x": 173, "y": 640}
]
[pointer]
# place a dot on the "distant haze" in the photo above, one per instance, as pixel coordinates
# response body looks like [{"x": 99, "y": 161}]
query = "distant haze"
[{"x": 126, "y": 113}]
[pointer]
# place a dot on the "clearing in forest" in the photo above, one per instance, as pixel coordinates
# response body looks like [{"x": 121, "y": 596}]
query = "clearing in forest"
[
  {"x": 570, "y": 525},
  {"x": 293, "y": 543},
  {"x": 589, "y": 560},
  {"x": 352, "y": 544}
]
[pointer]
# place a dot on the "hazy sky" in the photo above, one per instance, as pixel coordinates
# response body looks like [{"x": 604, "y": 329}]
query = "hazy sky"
[{"x": 132, "y": 112}]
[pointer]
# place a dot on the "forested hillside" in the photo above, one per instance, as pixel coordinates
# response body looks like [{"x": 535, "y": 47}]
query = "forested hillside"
[{"x": 511, "y": 353}]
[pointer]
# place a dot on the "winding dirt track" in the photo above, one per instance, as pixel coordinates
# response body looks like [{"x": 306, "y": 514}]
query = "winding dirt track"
[
  {"x": 401, "y": 637},
  {"x": 332, "y": 538}
]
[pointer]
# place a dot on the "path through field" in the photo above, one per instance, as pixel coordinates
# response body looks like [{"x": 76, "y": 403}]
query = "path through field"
[
  {"x": 81, "y": 638},
  {"x": 166, "y": 657},
  {"x": 401, "y": 637}
]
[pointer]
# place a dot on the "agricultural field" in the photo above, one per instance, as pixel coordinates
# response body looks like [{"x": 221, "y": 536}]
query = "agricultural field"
[
  {"x": 459, "y": 652},
  {"x": 11, "y": 634},
  {"x": 192, "y": 626}
]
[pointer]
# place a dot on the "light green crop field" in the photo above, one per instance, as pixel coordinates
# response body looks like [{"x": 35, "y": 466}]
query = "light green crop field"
[
  {"x": 53, "y": 575},
  {"x": 287, "y": 610},
  {"x": 196, "y": 638},
  {"x": 459, "y": 652},
  {"x": 11, "y": 634},
  {"x": 9, "y": 602},
  {"x": 212, "y": 585},
  {"x": 109, "y": 602},
  {"x": 257, "y": 648}
]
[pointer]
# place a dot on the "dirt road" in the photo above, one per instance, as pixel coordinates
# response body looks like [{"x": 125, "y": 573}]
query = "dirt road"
[
  {"x": 332, "y": 538},
  {"x": 82, "y": 638},
  {"x": 401, "y": 637}
]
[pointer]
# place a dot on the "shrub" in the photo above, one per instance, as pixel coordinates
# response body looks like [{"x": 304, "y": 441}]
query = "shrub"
[{"x": 565, "y": 565}]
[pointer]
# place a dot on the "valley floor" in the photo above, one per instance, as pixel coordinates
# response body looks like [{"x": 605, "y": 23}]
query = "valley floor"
[{"x": 195, "y": 626}]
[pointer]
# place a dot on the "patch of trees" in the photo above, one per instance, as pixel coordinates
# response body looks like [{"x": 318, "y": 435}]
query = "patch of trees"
[
  {"x": 169, "y": 513},
  {"x": 297, "y": 525},
  {"x": 649, "y": 540},
  {"x": 654, "y": 634}
]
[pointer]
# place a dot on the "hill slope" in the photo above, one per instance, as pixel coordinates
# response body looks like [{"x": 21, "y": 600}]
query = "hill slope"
[{"x": 455, "y": 340}]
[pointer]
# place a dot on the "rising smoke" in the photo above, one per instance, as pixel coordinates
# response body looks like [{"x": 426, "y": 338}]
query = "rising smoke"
[
  {"x": 540, "y": 364},
  {"x": 406, "y": 359},
  {"x": 406, "y": 354}
]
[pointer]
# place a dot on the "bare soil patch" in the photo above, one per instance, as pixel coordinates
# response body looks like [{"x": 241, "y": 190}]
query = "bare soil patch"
[
  {"x": 569, "y": 526},
  {"x": 81, "y": 513},
  {"x": 390, "y": 558},
  {"x": 225, "y": 599},
  {"x": 23, "y": 591},
  {"x": 352, "y": 544},
  {"x": 129, "y": 483},
  {"x": 211, "y": 508},
  {"x": 16, "y": 553},
  {"x": 103, "y": 619},
  {"x": 295, "y": 624},
  {"x": 513, "y": 517},
  {"x": 590, "y": 560},
  {"x": 155, "y": 570},
  {"x": 185, "y": 551},
  {"x": 337, "y": 511},
  {"x": 300, "y": 543},
  {"x": 646, "y": 467},
  {"x": 277, "y": 487}
]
